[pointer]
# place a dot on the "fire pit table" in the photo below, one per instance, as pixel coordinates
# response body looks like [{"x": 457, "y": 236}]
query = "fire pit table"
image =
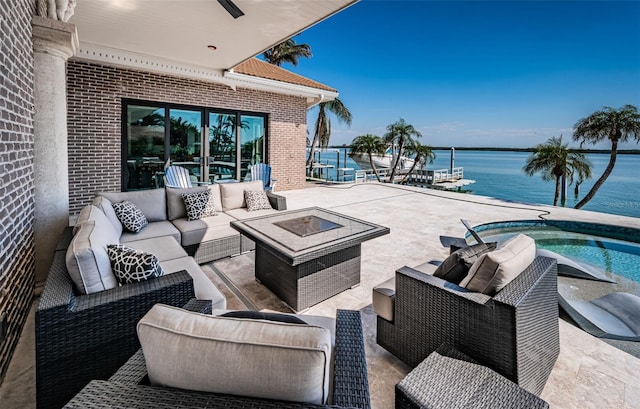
[{"x": 306, "y": 256}]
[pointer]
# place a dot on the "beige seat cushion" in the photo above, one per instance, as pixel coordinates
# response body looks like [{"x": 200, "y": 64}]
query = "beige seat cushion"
[
  {"x": 256, "y": 358},
  {"x": 493, "y": 270},
  {"x": 242, "y": 213},
  {"x": 205, "y": 229},
  {"x": 384, "y": 298},
  {"x": 202, "y": 285},
  {"x": 165, "y": 248},
  {"x": 155, "y": 229},
  {"x": 233, "y": 193}
]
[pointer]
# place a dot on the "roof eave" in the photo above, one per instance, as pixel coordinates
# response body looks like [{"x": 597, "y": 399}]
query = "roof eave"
[
  {"x": 130, "y": 60},
  {"x": 313, "y": 95}
]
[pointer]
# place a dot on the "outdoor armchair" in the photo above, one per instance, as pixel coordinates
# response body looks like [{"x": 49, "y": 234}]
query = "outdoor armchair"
[
  {"x": 85, "y": 337},
  {"x": 515, "y": 332},
  {"x": 129, "y": 387}
]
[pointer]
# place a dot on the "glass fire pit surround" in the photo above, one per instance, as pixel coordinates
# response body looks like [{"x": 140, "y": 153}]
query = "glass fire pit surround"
[{"x": 306, "y": 256}]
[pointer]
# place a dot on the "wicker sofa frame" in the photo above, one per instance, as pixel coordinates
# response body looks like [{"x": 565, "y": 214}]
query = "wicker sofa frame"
[
  {"x": 128, "y": 387},
  {"x": 515, "y": 332},
  {"x": 85, "y": 337}
]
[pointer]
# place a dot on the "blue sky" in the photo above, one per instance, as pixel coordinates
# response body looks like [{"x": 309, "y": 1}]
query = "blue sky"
[{"x": 476, "y": 73}]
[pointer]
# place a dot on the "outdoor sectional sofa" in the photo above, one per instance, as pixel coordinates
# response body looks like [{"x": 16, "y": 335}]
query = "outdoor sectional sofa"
[{"x": 85, "y": 328}]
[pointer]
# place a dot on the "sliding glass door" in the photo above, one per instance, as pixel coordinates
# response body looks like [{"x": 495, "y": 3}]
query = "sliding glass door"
[
  {"x": 144, "y": 150},
  {"x": 222, "y": 147},
  {"x": 185, "y": 141},
  {"x": 214, "y": 145}
]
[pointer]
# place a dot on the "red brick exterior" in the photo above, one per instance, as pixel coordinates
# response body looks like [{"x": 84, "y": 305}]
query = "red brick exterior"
[
  {"x": 95, "y": 94},
  {"x": 17, "y": 269}
]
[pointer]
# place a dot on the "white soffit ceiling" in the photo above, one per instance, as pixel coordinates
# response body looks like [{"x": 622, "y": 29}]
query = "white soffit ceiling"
[{"x": 179, "y": 31}]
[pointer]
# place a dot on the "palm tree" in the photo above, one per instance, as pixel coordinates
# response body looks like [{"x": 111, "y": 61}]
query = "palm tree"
[
  {"x": 370, "y": 145},
  {"x": 424, "y": 155},
  {"x": 555, "y": 161},
  {"x": 287, "y": 51},
  {"x": 399, "y": 134},
  {"x": 608, "y": 123},
  {"x": 323, "y": 124}
]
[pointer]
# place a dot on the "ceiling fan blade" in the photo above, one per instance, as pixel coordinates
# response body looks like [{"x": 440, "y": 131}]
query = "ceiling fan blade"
[{"x": 231, "y": 8}]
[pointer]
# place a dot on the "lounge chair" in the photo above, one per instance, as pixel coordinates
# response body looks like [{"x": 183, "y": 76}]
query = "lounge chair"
[
  {"x": 612, "y": 316},
  {"x": 262, "y": 171},
  {"x": 179, "y": 177}
]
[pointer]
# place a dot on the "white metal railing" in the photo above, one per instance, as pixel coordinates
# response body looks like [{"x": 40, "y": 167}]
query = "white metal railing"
[{"x": 437, "y": 175}]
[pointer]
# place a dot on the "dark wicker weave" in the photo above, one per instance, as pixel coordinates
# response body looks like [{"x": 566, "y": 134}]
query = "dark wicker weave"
[
  {"x": 515, "y": 333},
  {"x": 311, "y": 282},
  {"x": 448, "y": 379},
  {"x": 85, "y": 337},
  {"x": 126, "y": 387}
]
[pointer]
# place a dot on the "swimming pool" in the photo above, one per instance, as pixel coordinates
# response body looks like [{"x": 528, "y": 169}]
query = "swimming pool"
[{"x": 613, "y": 249}]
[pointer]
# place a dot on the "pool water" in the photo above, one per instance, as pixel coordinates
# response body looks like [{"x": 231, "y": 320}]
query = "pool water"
[{"x": 612, "y": 249}]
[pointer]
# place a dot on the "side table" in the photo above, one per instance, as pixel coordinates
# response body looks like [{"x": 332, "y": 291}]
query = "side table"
[{"x": 448, "y": 379}]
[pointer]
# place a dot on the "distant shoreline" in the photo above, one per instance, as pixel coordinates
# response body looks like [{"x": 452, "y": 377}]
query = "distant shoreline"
[{"x": 466, "y": 148}]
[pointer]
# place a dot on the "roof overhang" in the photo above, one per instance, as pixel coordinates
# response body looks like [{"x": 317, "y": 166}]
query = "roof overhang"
[{"x": 173, "y": 37}]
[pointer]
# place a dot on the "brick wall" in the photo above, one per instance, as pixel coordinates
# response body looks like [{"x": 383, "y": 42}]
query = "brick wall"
[
  {"x": 95, "y": 93},
  {"x": 16, "y": 172}
]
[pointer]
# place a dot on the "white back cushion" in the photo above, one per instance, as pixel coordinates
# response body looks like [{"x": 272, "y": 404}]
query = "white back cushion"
[
  {"x": 256, "y": 358},
  {"x": 105, "y": 205},
  {"x": 87, "y": 260},
  {"x": 233, "y": 193},
  {"x": 494, "y": 270}
]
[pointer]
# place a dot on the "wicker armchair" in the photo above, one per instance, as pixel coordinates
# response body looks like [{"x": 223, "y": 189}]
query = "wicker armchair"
[
  {"x": 85, "y": 337},
  {"x": 515, "y": 332},
  {"x": 129, "y": 386}
]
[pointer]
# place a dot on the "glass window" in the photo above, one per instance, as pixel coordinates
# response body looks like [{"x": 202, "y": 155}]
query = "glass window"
[
  {"x": 222, "y": 146},
  {"x": 252, "y": 137},
  {"x": 144, "y": 155},
  {"x": 157, "y": 134}
]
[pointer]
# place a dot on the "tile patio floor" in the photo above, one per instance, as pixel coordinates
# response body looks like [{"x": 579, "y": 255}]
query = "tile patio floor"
[{"x": 588, "y": 374}]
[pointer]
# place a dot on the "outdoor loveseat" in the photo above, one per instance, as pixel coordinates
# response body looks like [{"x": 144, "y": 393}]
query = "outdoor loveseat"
[
  {"x": 85, "y": 324},
  {"x": 514, "y": 332},
  {"x": 129, "y": 386}
]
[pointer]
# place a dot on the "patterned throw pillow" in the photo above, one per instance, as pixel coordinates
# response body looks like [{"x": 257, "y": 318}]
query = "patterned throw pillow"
[
  {"x": 130, "y": 216},
  {"x": 132, "y": 266},
  {"x": 256, "y": 200},
  {"x": 199, "y": 205}
]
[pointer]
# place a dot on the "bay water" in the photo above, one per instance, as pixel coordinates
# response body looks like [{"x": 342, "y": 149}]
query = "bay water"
[{"x": 499, "y": 174}]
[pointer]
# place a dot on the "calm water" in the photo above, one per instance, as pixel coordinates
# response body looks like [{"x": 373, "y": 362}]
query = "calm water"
[
  {"x": 499, "y": 175},
  {"x": 590, "y": 244}
]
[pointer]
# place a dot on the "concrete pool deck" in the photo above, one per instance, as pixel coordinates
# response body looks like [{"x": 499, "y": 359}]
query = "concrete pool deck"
[{"x": 589, "y": 373}]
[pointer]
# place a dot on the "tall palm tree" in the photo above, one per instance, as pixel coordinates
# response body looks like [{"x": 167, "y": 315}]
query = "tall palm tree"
[
  {"x": 287, "y": 51},
  {"x": 555, "y": 161},
  {"x": 370, "y": 145},
  {"x": 424, "y": 154},
  {"x": 323, "y": 124},
  {"x": 399, "y": 134},
  {"x": 616, "y": 125}
]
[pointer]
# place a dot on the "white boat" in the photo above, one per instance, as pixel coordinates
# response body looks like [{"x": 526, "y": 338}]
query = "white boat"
[{"x": 380, "y": 161}]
